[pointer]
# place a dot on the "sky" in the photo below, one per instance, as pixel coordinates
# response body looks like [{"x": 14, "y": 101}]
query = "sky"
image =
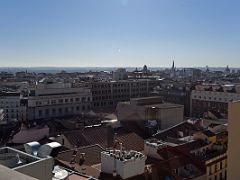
[{"x": 107, "y": 33}]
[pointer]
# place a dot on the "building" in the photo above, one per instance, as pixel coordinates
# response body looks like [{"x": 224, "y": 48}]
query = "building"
[
  {"x": 7, "y": 128},
  {"x": 7, "y": 173},
  {"x": 126, "y": 164},
  {"x": 180, "y": 133},
  {"x": 171, "y": 162},
  {"x": 216, "y": 165},
  {"x": 207, "y": 97},
  {"x": 151, "y": 147},
  {"x": 1, "y": 115},
  {"x": 173, "y": 71},
  {"x": 175, "y": 92},
  {"x": 14, "y": 106},
  {"x": 233, "y": 143},
  {"x": 120, "y": 74},
  {"x": 151, "y": 113},
  {"x": 50, "y": 98},
  {"x": 39, "y": 168},
  {"x": 192, "y": 73},
  {"x": 108, "y": 94}
]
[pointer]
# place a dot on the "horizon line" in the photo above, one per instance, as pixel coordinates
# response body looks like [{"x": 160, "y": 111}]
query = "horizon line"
[{"x": 1, "y": 67}]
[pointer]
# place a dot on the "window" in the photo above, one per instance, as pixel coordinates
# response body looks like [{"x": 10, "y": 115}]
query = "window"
[
  {"x": 40, "y": 113},
  {"x": 53, "y": 101},
  {"x": 60, "y": 101},
  {"x": 46, "y": 112},
  {"x": 210, "y": 170},
  {"x": 39, "y": 103},
  {"x": 221, "y": 176},
  {"x": 77, "y": 99},
  {"x": 53, "y": 111},
  {"x": 60, "y": 110},
  {"x": 66, "y": 100}
]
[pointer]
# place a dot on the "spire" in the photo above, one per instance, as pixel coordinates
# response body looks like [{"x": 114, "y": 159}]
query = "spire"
[{"x": 173, "y": 65}]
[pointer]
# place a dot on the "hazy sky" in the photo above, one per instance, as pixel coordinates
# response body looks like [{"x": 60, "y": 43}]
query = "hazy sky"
[{"x": 119, "y": 32}]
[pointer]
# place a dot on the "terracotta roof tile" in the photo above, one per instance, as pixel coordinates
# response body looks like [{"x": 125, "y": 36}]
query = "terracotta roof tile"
[
  {"x": 92, "y": 155},
  {"x": 96, "y": 135},
  {"x": 76, "y": 138},
  {"x": 131, "y": 141}
]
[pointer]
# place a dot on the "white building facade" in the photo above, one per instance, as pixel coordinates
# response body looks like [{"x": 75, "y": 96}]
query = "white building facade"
[
  {"x": 12, "y": 105},
  {"x": 127, "y": 164},
  {"x": 206, "y": 97}
]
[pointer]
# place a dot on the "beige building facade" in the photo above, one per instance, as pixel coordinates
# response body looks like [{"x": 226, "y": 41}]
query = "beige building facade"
[
  {"x": 149, "y": 111},
  {"x": 233, "y": 140}
]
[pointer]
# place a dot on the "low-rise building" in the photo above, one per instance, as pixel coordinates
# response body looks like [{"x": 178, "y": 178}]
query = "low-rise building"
[
  {"x": 120, "y": 74},
  {"x": 39, "y": 168},
  {"x": 49, "y": 99},
  {"x": 207, "y": 97},
  {"x": 109, "y": 93},
  {"x": 127, "y": 164},
  {"x": 150, "y": 112},
  {"x": 175, "y": 92},
  {"x": 14, "y": 106}
]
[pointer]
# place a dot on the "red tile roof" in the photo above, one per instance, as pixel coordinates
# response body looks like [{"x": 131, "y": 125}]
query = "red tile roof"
[
  {"x": 96, "y": 135},
  {"x": 76, "y": 138},
  {"x": 92, "y": 155},
  {"x": 131, "y": 141}
]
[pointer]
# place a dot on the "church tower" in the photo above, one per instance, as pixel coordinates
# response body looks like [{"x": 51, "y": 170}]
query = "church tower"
[{"x": 172, "y": 73}]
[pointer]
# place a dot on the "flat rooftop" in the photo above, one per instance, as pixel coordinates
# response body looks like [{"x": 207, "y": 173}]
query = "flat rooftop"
[
  {"x": 124, "y": 155},
  {"x": 13, "y": 158},
  {"x": 7, "y": 173},
  {"x": 164, "y": 105}
]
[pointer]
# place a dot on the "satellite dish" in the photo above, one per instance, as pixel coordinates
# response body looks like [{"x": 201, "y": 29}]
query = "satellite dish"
[{"x": 59, "y": 173}]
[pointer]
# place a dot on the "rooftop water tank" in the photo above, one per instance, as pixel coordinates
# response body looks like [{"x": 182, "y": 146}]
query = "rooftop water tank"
[
  {"x": 50, "y": 149},
  {"x": 32, "y": 147}
]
